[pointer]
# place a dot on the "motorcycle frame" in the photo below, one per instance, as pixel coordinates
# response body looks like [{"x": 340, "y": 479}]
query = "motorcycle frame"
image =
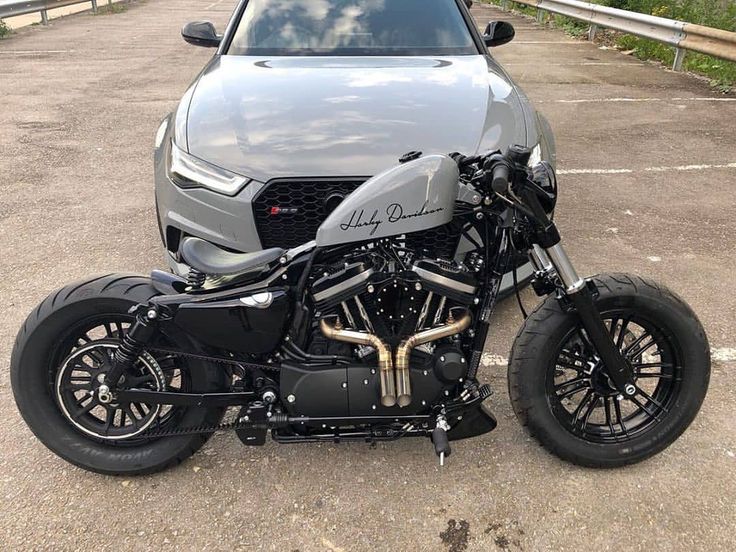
[{"x": 554, "y": 273}]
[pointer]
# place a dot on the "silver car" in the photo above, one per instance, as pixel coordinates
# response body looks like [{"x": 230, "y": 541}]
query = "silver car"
[{"x": 306, "y": 99}]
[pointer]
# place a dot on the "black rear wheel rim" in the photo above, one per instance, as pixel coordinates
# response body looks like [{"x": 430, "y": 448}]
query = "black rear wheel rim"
[
  {"x": 582, "y": 397},
  {"x": 103, "y": 331}
]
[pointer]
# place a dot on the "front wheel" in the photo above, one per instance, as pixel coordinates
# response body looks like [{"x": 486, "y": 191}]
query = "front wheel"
[{"x": 561, "y": 392}]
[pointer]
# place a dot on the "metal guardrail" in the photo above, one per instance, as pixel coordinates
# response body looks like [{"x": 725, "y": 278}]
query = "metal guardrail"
[
  {"x": 11, "y": 8},
  {"x": 679, "y": 34}
]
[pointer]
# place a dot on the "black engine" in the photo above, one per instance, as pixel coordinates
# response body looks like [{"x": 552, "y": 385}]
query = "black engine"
[{"x": 417, "y": 308}]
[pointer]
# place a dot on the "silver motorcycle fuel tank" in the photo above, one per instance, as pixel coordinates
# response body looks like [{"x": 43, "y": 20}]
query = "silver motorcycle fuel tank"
[{"x": 417, "y": 195}]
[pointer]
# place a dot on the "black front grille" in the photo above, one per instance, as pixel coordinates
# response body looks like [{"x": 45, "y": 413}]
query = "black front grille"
[{"x": 288, "y": 212}]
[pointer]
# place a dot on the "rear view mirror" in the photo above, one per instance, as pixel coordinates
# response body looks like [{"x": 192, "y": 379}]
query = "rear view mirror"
[
  {"x": 498, "y": 33},
  {"x": 201, "y": 33}
]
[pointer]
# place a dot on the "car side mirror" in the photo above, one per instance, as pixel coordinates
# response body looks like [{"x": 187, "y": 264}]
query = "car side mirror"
[
  {"x": 498, "y": 33},
  {"x": 201, "y": 33}
]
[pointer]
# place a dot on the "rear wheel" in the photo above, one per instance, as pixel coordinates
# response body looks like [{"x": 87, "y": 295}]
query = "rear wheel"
[
  {"x": 59, "y": 360},
  {"x": 561, "y": 392}
]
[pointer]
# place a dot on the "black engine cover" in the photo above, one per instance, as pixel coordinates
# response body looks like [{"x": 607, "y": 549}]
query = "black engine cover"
[{"x": 352, "y": 391}]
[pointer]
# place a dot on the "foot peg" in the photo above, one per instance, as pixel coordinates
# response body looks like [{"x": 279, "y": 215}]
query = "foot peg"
[
  {"x": 440, "y": 440},
  {"x": 485, "y": 391}
]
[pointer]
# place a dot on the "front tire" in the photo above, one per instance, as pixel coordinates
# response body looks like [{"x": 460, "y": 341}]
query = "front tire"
[
  {"x": 561, "y": 393},
  {"x": 94, "y": 314}
]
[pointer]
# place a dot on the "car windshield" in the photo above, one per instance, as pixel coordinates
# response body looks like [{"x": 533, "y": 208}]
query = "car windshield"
[{"x": 352, "y": 28}]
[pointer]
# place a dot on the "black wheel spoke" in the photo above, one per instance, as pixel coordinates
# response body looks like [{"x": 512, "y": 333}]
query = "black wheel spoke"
[
  {"x": 131, "y": 416},
  {"x": 109, "y": 417},
  {"x": 137, "y": 408},
  {"x": 619, "y": 417},
  {"x": 636, "y": 348},
  {"x": 98, "y": 357},
  {"x": 579, "y": 409},
  {"x": 76, "y": 386},
  {"x": 652, "y": 365},
  {"x": 570, "y": 392},
  {"x": 85, "y": 409},
  {"x": 646, "y": 347},
  {"x": 81, "y": 400},
  {"x": 574, "y": 381},
  {"x": 570, "y": 366},
  {"x": 657, "y": 375},
  {"x": 622, "y": 332},
  {"x": 651, "y": 399},
  {"x": 643, "y": 407},
  {"x": 84, "y": 367},
  {"x": 589, "y": 411},
  {"x": 609, "y": 418},
  {"x": 108, "y": 329}
]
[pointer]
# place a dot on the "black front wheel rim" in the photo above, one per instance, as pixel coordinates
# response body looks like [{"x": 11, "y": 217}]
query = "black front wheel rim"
[{"x": 584, "y": 400}]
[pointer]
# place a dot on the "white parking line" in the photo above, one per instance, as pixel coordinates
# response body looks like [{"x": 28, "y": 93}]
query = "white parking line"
[
  {"x": 548, "y": 42},
  {"x": 680, "y": 168},
  {"x": 719, "y": 354},
  {"x": 213, "y": 4},
  {"x": 723, "y": 354},
  {"x": 583, "y": 63},
  {"x": 636, "y": 100},
  {"x": 595, "y": 171},
  {"x": 32, "y": 52}
]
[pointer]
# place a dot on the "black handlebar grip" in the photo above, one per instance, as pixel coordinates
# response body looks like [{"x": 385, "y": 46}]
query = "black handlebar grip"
[{"x": 500, "y": 178}]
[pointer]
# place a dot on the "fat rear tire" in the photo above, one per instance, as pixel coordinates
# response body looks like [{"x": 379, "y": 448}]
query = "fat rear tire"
[
  {"x": 534, "y": 353},
  {"x": 32, "y": 374}
]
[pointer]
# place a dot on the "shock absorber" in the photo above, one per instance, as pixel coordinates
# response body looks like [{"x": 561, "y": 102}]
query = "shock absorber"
[
  {"x": 131, "y": 346},
  {"x": 195, "y": 278}
]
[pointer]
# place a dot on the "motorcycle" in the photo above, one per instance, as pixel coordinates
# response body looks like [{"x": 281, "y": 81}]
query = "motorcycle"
[{"x": 364, "y": 334}]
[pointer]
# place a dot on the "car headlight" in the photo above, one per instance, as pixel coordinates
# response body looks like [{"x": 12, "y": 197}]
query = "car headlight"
[
  {"x": 187, "y": 171},
  {"x": 546, "y": 179},
  {"x": 536, "y": 156}
]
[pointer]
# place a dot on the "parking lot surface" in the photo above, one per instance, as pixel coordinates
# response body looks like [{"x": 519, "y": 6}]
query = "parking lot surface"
[{"x": 647, "y": 162}]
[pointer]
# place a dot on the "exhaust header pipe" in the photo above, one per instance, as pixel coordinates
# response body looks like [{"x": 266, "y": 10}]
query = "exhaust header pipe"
[
  {"x": 385, "y": 363},
  {"x": 403, "y": 353}
]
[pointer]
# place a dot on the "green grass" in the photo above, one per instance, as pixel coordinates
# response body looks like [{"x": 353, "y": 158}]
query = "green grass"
[
  {"x": 573, "y": 27},
  {"x": 109, "y": 9},
  {"x": 721, "y": 73},
  {"x": 720, "y": 14},
  {"x": 4, "y": 29}
]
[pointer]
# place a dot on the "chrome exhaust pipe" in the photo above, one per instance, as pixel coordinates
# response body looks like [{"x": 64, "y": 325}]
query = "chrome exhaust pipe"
[
  {"x": 403, "y": 353},
  {"x": 385, "y": 363}
]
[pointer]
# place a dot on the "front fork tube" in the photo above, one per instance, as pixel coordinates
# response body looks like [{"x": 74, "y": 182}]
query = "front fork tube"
[{"x": 580, "y": 295}]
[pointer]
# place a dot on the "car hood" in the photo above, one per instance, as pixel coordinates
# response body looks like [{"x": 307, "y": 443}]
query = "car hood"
[{"x": 334, "y": 116}]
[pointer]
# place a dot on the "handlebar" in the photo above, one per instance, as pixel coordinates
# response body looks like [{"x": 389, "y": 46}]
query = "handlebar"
[
  {"x": 500, "y": 178},
  {"x": 499, "y": 173}
]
